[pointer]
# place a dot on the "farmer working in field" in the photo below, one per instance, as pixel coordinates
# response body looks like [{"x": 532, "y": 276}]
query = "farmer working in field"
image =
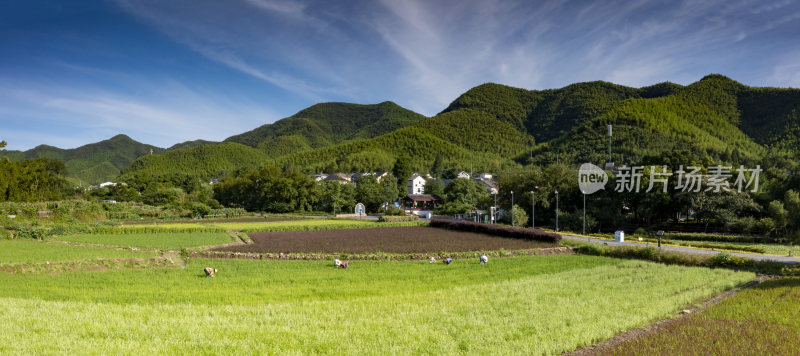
[
  {"x": 484, "y": 259},
  {"x": 448, "y": 260},
  {"x": 210, "y": 272}
]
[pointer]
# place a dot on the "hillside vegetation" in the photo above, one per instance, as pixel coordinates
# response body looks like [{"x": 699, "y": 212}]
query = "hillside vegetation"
[
  {"x": 202, "y": 162},
  {"x": 490, "y": 127},
  {"x": 326, "y": 124},
  {"x": 92, "y": 163}
]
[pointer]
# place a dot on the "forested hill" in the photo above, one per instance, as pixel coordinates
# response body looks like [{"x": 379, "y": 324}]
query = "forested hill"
[
  {"x": 488, "y": 127},
  {"x": 92, "y": 163},
  {"x": 492, "y": 126},
  {"x": 327, "y": 124},
  {"x": 715, "y": 117}
]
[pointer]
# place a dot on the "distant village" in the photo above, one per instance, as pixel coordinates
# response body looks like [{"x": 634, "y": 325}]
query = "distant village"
[{"x": 415, "y": 201}]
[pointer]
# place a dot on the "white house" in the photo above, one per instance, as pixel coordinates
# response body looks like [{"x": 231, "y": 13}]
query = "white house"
[
  {"x": 485, "y": 176},
  {"x": 462, "y": 174},
  {"x": 416, "y": 184},
  {"x": 318, "y": 177}
]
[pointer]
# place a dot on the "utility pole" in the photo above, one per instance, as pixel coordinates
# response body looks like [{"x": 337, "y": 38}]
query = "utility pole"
[
  {"x": 512, "y": 208},
  {"x": 533, "y": 208},
  {"x": 556, "y": 210}
]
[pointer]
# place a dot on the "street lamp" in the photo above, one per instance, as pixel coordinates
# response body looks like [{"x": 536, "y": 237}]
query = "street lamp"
[
  {"x": 533, "y": 207},
  {"x": 512, "y": 208},
  {"x": 556, "y": 210},
  {"x": 584, "y": 214},
  {"x": 494, "y": 215}
]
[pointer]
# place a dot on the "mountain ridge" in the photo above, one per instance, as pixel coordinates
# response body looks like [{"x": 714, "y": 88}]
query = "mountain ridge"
[{"x": 494, "y": 125}]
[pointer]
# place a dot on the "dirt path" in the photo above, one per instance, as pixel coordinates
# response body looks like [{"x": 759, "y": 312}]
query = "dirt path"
[{"x": 606, "y": 345}]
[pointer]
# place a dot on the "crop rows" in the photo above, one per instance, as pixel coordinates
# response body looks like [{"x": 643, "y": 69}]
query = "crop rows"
[{"x": 391, "y": 240}]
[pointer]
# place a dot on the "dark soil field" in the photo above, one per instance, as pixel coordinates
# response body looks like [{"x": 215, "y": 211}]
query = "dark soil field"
[{"x": 389, "y": 240}]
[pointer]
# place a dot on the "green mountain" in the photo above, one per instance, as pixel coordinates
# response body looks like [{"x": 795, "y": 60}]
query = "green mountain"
[
  {"x": 326, "y": 124},
  {"x": 715, "y": 116},
  {"x": 493, "y": 126},
  {"x": 190, "y": 144},
  {"x": 92, "y": 163},
  {"x": 202, "y": 162}
]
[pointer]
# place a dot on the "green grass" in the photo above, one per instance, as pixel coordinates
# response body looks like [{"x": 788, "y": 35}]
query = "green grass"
[
  {"x": 523, "y": 305},
  {"x": 162, "y": 241},
  {"x": 32, "y": 251},
  {"x": 314, "y": 225},
  {"x": 760, "y": 321}
]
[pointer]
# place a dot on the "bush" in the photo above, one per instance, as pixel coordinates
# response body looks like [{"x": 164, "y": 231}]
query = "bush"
[
  {"x": 452, "y": 208},
  {"x": 200, "y": 210},
  {"x": 497, "y": 230},
  {"x": 520, "y": 217},
  {"x": 743, "y": 225},
  {"x": 765, "y": 226},
  {"x": 393, "y": 210},
  {"x": 228, "y": 212}
]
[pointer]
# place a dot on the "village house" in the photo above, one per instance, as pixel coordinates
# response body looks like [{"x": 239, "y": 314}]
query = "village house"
[
  {"x": 318, "y": 177},
  {"x": 342, "y": 178},
  {"x": 416, "y": 184}
]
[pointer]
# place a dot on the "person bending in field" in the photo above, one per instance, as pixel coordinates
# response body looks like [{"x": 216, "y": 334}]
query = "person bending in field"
[
  {"x": 484, "y": 259},
  {"x": 345, "y": 264},
  {"x": 432, "y": 260},
  {"x": 337, "y": 262},
  {"x": 210, "y": 272},
  {"x": 448, "y": 260}
]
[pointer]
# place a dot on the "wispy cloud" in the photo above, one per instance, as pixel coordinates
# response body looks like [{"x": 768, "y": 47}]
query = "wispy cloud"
[
  {"x": 234, "y": 65},
  {"x": 172, "y": 113},
  {"x": 430, "y": 51}
]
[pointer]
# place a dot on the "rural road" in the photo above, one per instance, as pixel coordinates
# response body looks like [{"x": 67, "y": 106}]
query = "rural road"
[{"x": 698, "y": 251}]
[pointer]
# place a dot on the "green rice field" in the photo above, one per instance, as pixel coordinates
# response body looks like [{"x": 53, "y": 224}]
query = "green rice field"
[
  {"x": 33, "y": 251},
  {"x": 520, "y": 305},
  {"x": 159, "y": 240},
  {"x": 763, "y": 320}
]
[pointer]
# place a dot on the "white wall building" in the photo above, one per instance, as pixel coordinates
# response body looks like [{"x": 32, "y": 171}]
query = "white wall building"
[{"x": 416, "y": 184}]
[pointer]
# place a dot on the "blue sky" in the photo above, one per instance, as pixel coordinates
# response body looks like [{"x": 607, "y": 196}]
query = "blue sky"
[{"x": 164, "y": 72}]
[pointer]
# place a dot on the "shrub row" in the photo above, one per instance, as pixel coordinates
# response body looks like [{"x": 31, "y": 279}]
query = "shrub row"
[
  {"x": 710, "y": 244},
  {"x": 686, "y": 236},
  {"x": 498, "y": 230},
  {"x": 398, "y": 218},
  {"x": 720, "y": 260}
]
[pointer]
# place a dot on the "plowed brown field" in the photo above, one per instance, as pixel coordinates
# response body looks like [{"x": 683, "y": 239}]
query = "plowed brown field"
[{"x": 389, "y": 240}]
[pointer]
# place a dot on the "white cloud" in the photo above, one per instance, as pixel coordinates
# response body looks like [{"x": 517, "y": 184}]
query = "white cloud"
[
  {"x": 171, "y": 113},
  {"x": 423, "y": 54}
]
